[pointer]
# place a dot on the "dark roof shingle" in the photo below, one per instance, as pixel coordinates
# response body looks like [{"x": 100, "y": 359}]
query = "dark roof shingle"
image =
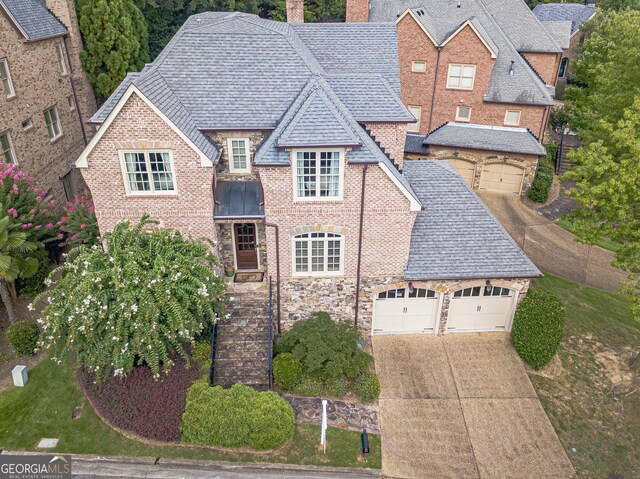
[{"x": 33, "y": 18}]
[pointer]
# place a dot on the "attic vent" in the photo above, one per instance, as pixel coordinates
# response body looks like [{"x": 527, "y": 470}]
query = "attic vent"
[
  {"x": 459, "y": 1},
  {"x": 511, "y": 68},
  {"x": 420, "y": 12}
]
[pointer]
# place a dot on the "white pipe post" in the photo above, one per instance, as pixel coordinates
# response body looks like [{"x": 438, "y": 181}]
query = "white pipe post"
[{"x": 323, "y": 436}]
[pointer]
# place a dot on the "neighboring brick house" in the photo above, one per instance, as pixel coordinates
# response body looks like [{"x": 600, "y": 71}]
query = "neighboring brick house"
[
  {"x": 563, "y": 20},
  {"x": 284, "y": 144},
  {"x": 479, "y": 62},
  {"x": 44, "y": 94}
]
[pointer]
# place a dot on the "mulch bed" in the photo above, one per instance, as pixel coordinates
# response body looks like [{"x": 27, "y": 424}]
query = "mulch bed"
[{"x": 138, "y": 403}]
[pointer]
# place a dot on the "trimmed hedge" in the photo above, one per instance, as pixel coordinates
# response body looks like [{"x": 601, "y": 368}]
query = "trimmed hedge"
[
  {"x": 23, "y": 337},
  {"x": 287, "y": 371},
  {"x": 236, "y": 417},
  {"x": 141, "y": 404},
  {"x": 539, "y": 191},
  {"x": 367, "y": 387},
  {"x": 310, "y": 386},
  {"x": 538, "y": 328},
  {"x": 337, "y": 387}
]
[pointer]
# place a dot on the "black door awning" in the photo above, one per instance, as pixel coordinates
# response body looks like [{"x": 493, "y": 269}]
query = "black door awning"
[{"x": 238, "y": 199}]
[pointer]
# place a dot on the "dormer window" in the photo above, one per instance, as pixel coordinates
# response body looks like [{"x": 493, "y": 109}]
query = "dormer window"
[
  {"x": 318, "y": 174},
  {"x": 461, "y": 77},
  {"x": 238, "y": 153}
]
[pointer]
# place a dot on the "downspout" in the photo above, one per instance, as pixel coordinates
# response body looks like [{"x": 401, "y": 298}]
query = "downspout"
[
  {"x": 433, "y": 93},
  {"x": 277, "y": 232},
  {"x": 545, "y": 118},
  {"x": 360, "y": 234},
  {"x": 73, "y": 89}
]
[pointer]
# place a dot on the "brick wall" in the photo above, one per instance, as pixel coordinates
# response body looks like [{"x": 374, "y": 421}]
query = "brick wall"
[
  {"x": 546, "y": 64},
  {"x": 466, "y": 48},
  {"x": 391, "y": 137},
  {"x": 137, "y": 126},
  {"x": 39, "y": 85},
  {"x": 357, "y": 10}
]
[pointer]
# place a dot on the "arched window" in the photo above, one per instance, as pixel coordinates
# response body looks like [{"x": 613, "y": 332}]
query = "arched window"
[{"x": 318, "y": 253}]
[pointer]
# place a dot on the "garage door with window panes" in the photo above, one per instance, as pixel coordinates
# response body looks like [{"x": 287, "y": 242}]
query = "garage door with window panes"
[
  {"x": 405, "y": 310},
  {"x": 481, "y": 308}
]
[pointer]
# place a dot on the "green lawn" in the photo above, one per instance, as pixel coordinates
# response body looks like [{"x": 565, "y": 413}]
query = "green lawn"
[
  {"x": 603, "y": 243},
  {"x": 598, "y": 425},
  {"x": 43, "y": 409}
]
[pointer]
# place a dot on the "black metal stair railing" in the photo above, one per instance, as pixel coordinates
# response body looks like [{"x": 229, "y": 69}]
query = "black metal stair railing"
[{"x": 214, "y": 336}]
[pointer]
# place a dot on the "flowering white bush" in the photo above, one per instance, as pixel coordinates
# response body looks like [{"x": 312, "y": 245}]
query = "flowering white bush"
[{"x": 140, "y": 299}]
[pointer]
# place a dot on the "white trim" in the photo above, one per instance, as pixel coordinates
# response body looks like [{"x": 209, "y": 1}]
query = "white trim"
[
  {"x": 12, "y": 91},
  {"x": 294, "y": 169},
  {"x": 61, "y": 61},
  {"x": 247, "y": 147},
  {"x": 410, "y": 126},
  {"x": 506, "y": 114},
  {"x": 235, "y": 251},
  {"x": 151, "y": 192},
  {"x": 14, "y": 21},
  {"x": 418, "y": 62},
  {"x": 409, "y": 12},
  {"x": 414, "y": 204},
  {"x": 82, "y": 161},
  {"x": 462, "y": 66},
  {"x": 11, "y": 148},
  {"x": 461, "y": 27},
  {"x": 339, "y": 237},
  {"x": 461, "y": 118},
  {"x": 57, "y": 122}
]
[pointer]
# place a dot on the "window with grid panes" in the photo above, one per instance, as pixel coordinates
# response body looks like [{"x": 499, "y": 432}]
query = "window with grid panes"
[
  {"x": 318, "y": 174},
  {"x": 149, "y": 171},
  {"x": 318, "y": 253}
]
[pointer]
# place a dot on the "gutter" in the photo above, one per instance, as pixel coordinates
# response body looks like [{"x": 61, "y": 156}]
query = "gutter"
[
  {"x": 73, "y": 89},
  {"x": 360, "y": 234}
]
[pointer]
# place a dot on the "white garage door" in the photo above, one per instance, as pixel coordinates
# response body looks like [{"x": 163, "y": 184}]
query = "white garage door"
[
  {"x": 466, "y": 169},
  {"x": 403, "y": 311},
  {"x": 481, "y": 309},
  {"x": 502, "y": 177}
]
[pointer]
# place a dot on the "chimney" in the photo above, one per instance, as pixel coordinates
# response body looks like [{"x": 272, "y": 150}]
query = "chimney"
[
  {"x": 357, "y": 11},
  {"x": 295, "y": 11}
]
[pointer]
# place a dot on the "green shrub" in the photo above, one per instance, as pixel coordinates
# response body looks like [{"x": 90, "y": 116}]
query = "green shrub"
[
  {"x": 35, "y": 283},
  {"x": 236, "y": 417},
  {"x": 539, "y": 191},
  {"x": 538, "y": 328},
  {"x": 201, "y": 351},
  {"x": 326, "y": 349},
  {"x": 23, "y": 337},
  {"x": 287, "y": 371},
  {"x": 310, "y": 386},
  {"x": 337, "y": 387},
  {"x": 367, "y": 387},
  {"x": 272, "y": 422}
]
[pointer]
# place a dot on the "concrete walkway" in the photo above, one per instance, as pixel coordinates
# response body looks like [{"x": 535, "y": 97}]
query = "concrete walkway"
[
  {"x": 462, "y": 406},
  {"x": 552, "y": 248}
]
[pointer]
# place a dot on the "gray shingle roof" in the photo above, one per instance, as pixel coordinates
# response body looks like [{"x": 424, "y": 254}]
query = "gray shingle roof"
[
  {"x": 574, "y": 12},
  {"x": 513, "y": 16},
  {"x": 33, "y": 18},
  {"x": 485, "y": 137},
  {"x": 415, "y": 144},
  {"x": 455, "y": 236},
  {"x": 560, "y": 30}
]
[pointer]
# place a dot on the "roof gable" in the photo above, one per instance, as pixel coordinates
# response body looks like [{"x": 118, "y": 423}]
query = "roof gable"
[{"x": 33, "y": 19}]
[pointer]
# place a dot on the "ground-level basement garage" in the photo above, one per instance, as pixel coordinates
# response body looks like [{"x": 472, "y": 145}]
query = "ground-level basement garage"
[{"x": 406, "y": 310}]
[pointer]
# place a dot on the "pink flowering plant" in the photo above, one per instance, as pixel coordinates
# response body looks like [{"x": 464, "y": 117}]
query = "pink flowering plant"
[
  {"x": 26, "y": 203},
  {"x": 78, "y": 222},
  {"x": 142, "y": 299}
]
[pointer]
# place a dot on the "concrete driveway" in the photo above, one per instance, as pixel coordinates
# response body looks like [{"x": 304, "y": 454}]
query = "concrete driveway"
[
  {"x": 462, "y": 406},
  {"x": 552, "y": 248}
]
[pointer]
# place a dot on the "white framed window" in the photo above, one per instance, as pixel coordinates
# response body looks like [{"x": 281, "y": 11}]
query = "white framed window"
[
  {"x": 463, "y": 113},
  {"x": 461, "y": 77},
  {"x": 6, "y": 148},
  {"x": 238, "y": 153},
  {"x": 318, "y": 254},
  {"x": 512, "y": 117},
  {"x": 417, "y": 112},
  {"x": 318, "y": 174},
  {"x": 418, "y": 66},
  {"x": 148, "y": 172},
  {"x": 5, "y": 78},
  {"x": 52, "y": 120},
  {"x": 60, "y": 54},
  {"x": 72, "y": 103}
]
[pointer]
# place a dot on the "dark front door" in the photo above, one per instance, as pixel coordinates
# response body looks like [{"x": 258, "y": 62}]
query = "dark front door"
[{"x": 246, "y": 251}]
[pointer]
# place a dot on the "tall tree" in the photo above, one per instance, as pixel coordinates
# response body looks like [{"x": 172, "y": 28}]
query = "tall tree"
[
  {"x": 605, "y": 111},
  {"x": 115, "y": 40}
]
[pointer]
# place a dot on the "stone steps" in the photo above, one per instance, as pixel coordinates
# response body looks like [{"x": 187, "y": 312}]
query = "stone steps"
[{"x": 242, "y": 342}]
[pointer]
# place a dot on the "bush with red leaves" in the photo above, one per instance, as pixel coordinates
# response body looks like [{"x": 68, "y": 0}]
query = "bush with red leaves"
[{"x": 138, "y": 403}]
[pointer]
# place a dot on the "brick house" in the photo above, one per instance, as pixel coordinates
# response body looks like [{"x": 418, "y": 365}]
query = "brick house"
[
  {"x": 44, "y": 94},
  {"x": 475, "y": 63},
  {"x": 283, "y": 142},
  {"x": 563, "y": 20}
]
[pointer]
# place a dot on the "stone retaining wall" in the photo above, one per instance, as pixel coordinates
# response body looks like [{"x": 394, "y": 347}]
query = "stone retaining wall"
[{"x": 341, "y": 414}]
